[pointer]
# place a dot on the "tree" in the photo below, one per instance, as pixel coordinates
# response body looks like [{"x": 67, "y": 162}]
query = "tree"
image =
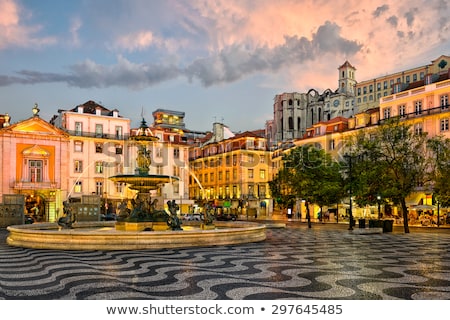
[
  {"x": 439, "y": 164},
  {"x": 281, "y": 189},
  {"x": 391, "y": 162},
  {"x": 313, "y": 176}
]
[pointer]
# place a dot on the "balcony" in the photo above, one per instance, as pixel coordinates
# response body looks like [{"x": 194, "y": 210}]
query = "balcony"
[
  {"x": 85, "y": 134},
  {"x": 28, "y": 185}
]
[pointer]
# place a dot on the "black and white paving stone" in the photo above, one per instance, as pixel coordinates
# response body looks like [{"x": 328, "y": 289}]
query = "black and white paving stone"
[{"x": 324, "y": 262}]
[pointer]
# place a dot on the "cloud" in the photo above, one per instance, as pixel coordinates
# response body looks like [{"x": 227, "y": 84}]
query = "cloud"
[
  {"x": 380, "y": 10},
  {"x": 225, "y": 41},
  {"x": 15, "y": 34},
  {"x": 393, "y": 21},
  {"x": 235, "y": 62},
  {"x": 75, "y": 26},
  {"x": 410, "y": 16},
  {"x": 136, "y": 41},
  {"x": 232, "y": 63},
  {"x": 9, "y": 15}
]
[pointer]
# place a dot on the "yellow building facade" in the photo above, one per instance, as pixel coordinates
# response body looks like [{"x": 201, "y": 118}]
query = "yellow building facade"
[
  {"x": 233, "y": 174},
  {"x": 369, "y": 92}
]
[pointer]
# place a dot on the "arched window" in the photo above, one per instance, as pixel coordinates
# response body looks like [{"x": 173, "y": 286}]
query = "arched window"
[{"x": 291, "y": 123}]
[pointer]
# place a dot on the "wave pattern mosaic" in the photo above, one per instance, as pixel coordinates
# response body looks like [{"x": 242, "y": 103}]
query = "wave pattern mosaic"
[{"x": 293, "y": 263}]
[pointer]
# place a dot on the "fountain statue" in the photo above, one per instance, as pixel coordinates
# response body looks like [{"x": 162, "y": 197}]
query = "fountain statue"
[
  {"x": 173, "y": 221},
  {"x": 69, "y": 218},
  {"x": 208, "y": 217},
  {"x": 144, "y": 213}
]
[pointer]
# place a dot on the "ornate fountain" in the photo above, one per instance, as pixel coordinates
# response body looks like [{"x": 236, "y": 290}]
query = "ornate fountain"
[{"x": 146, "y": 213}]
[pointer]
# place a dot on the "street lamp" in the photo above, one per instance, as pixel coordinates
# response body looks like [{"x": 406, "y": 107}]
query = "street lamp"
[
  {"x": 438, "y": 218},
  {"x": 379, "y": 211},
  {"x": 349, "y": 160}
]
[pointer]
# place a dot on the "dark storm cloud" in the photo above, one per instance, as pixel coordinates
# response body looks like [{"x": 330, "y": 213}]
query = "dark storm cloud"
[
  {"x": 230, "y": 64},
  {"x": 410, "y": 16},
  {"x": 123, "y": 74},
  {"x": 393, "y": 21},
  {"x": 235, "y": 62},
  {"x": 329, "y": 40},
  {"x": 380, "y": 10}
]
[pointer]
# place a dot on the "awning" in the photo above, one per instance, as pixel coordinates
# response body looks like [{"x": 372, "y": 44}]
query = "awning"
[{"x": 423, "y": 207}]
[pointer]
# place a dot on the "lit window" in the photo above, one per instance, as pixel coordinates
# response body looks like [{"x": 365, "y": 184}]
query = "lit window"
[
  {"x": 78, "y": 188},
  {"x": 262, "y": 174},
  {"x": 99, "y": 167}
]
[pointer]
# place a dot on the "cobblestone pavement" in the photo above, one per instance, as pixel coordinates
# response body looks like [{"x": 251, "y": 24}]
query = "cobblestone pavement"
[{"x": 324, "y": 262}]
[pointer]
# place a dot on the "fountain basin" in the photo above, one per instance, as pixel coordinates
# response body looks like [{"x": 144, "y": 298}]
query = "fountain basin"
[{"x": 102, "y": 235}]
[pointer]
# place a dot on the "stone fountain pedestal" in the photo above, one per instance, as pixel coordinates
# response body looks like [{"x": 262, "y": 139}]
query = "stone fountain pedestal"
[
  {"x": 204, "y": 226},
  {"x": 141, "y": 226}
]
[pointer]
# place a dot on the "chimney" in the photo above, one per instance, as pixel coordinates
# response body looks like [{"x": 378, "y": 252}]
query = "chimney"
[{"x": 218, "y": 131}]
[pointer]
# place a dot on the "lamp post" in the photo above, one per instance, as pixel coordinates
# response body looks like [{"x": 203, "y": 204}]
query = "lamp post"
[
  {"x": 438, "y": 218},
  {"x": 379, "y": 211},
  {"x": 349, "y": 158}
]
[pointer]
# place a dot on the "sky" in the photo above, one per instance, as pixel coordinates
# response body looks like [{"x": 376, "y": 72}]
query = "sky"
[{"x": 217, "y": 61}]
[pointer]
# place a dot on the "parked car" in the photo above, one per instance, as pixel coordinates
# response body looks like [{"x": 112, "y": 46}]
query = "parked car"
[
  {"x": 226, "y": 217},
  {"x": 193, "y": 217},
  {"x": 108, "y": 217}
]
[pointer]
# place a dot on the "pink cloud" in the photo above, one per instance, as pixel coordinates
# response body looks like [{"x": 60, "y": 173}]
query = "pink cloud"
[
  {"x": 8, "y": 13},
  {"x": 393, "y": 35},
  {"x": 13, "y": 33}
]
